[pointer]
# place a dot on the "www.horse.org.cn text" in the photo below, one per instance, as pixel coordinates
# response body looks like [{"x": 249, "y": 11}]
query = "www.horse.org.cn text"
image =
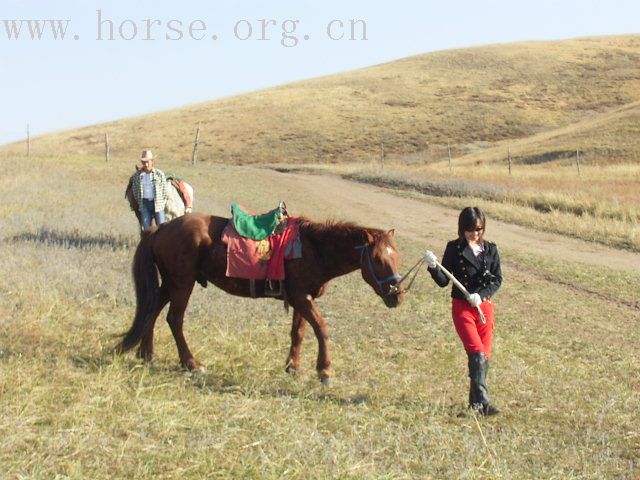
[{"x": 288, "y": 32}]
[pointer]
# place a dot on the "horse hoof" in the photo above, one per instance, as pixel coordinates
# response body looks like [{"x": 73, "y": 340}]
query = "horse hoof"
[
  {"x": 195, "y": 366},
  {"x": 146, "y": 357},
  {"x": 291, "y": 370},
  {"x": 198, "y": 374},
  {"x": 326, "y": 381}
]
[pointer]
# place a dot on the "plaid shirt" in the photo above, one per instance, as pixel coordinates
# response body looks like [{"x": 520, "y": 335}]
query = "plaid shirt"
[{"x": 159, "y": 183}]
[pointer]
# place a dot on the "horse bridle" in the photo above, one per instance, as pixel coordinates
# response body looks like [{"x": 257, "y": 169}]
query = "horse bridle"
[{"x": 393, "y": 290}]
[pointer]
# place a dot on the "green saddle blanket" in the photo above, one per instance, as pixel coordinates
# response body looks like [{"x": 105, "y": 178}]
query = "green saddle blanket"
[
  {"x": 257, "y": 227},
  {"x": 173, "y": 176}
]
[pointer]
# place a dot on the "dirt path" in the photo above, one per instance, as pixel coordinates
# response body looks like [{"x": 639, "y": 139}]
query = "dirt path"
[{"x": 432, "y": 224}]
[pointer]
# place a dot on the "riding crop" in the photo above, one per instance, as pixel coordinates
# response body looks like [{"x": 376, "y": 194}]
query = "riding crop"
[{"x": 462, "y": 289}]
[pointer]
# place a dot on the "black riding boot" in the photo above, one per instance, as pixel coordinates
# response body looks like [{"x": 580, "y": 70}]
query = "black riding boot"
[{"x": 478, "y": 391}]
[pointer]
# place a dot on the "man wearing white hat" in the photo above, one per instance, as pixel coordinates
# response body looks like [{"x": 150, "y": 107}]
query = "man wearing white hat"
[{"x": 149, "y": 186}]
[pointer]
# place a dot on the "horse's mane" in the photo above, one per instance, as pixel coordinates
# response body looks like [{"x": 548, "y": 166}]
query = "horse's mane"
[{"x": 335, "y": 230}]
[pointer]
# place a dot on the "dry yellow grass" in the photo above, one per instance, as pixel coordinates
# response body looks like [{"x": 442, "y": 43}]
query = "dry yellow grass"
[
  {"x": 563, "y": 371},
  {"x": 602, "y": 139}
]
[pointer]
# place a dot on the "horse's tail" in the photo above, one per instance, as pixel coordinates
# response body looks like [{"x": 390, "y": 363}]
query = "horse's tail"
[{"x": 145, "y": 278}]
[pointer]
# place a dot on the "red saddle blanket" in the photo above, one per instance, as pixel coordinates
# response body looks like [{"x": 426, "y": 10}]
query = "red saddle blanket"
[
  {"x": 261, "y": 259},
  {"x": 182, "y": 190}
]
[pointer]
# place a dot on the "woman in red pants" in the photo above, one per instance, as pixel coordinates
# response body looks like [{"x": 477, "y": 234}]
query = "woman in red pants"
[{"x": 475, "y": 262}]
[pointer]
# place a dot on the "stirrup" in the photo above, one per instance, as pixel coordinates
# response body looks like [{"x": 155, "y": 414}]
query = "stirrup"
[{"x": 273, "y": 288}]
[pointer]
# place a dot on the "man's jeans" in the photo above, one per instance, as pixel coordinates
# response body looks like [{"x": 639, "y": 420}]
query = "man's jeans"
[{"x": 148, "y": 213}]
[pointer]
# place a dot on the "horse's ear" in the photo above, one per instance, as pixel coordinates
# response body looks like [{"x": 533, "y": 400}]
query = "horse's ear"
[
  {"x": 368, "y": 238},
  {"x": 391, "y": 233}
]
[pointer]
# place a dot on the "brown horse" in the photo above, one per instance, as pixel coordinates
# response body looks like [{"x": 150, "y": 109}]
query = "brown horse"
[{"x": 189, "y": 249}]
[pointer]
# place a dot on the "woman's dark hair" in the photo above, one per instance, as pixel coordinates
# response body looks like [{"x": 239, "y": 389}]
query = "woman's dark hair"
[{"x": 469, "y": 219}]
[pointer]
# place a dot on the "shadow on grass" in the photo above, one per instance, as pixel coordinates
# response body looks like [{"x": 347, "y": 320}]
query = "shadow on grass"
[
  {"x": 224, "y": 385},
  {"x": 7, "y": 353},
  {"x": 93, "y": 363},
  {"x": 219, "y": 382},
  {"x": 74, "y": 239},
  {"x": 307, "y": 391}
]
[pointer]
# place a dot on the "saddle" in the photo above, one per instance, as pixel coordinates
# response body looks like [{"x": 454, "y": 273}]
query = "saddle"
[
  {"x": 258, "y": 227},
  {"x": 178, "y": 182},
  {"x": 258, "y": 245}
]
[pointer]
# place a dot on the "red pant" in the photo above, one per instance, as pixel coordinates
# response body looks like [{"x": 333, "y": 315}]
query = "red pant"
[{"x": 475, "y": 336}]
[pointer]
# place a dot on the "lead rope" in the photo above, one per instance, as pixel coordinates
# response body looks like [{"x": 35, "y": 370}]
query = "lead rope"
[{"x": 404, "y": 277}]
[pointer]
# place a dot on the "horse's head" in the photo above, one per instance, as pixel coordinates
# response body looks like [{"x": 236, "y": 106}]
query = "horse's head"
[{"x": 379, "y": 266}]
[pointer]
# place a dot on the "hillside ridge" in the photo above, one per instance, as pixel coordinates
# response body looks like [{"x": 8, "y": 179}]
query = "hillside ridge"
[{"x": 472, "y": 98}]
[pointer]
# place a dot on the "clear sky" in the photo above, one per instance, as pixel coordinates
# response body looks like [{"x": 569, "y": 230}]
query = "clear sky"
[{"x": 123, "y": 58}]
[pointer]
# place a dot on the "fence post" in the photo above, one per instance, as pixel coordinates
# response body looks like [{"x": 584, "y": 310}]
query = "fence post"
[
  {"x": 194, "y": 157},
  {"x": 28, "y": 142},
  {"x": 578, "y": 162},
  {"x": 509, "y": 158},
  {"x": 106, "y": 147},
  {"x": 449, "y": 151}
]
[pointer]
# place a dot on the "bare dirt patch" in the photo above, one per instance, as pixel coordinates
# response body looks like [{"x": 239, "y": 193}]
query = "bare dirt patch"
[{"x": 420, "y": 220}]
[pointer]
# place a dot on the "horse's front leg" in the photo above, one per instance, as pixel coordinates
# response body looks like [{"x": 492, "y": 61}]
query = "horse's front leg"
[
  {"x": 309, "y": 312},
  {"x": 298, "y": 326}
]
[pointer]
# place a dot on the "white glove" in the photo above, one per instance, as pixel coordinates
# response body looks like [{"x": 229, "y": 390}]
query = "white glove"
[
  {"x": 187, "y": 210},
  {"x": 431, "y": 259},
  {"x": 474, "y": 299}
]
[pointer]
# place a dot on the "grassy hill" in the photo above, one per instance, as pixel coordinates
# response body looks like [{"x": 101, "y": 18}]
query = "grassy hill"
[
  {"x": 612, "y": 137},
  {"x": 473, "y": 98}
]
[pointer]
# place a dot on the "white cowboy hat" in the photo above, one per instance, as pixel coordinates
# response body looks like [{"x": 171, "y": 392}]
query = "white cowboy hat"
[{"x": 146, "y": 155}]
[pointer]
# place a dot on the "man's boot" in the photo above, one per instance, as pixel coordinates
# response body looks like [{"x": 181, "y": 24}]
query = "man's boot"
[{"x": 478, "y": 391}]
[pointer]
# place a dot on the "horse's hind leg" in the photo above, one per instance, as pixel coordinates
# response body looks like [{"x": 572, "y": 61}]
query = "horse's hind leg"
[
  {"x": 298, "y": 327},
  {"x": 175, "y": 318},
  {"x": 145, "y": 351}
]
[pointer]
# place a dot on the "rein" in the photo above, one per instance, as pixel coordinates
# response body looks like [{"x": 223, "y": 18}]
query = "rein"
[
  {"x": 379, "y": 282},
  {"x": 416, "y": 266}
]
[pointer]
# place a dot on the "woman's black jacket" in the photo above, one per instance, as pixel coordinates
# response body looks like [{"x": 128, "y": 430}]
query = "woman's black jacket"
[{"x": 481, "y": 274}]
